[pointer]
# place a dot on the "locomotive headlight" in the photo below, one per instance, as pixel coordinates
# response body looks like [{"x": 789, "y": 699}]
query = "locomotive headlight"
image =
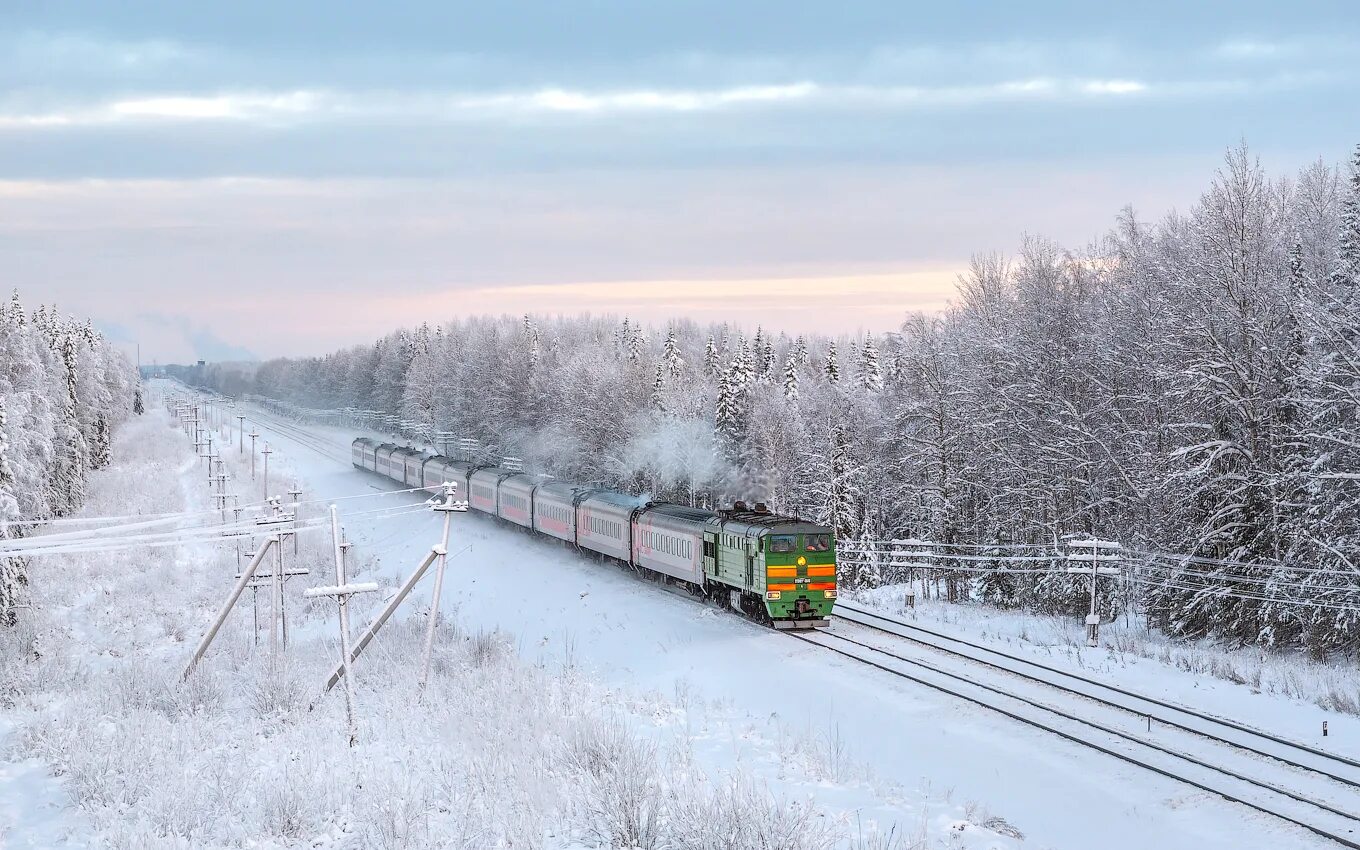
[
  {"x": 772, "y": 595},
  {"x": 802, "y": 562}
]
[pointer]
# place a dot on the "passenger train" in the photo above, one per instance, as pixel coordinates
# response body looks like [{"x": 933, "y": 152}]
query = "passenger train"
[{"x": 776, "y": 569}]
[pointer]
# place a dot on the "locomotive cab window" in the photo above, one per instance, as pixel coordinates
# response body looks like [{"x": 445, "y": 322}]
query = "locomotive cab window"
[
  {"x": 785, "y": 543},
  {"x": 818, "y": 542}
]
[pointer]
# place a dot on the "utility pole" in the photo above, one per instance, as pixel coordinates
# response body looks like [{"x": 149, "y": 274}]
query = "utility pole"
[
  {"x": 1104, "y": 557},
  {"x": 253, "y": 435},
  {"x": 222, "y": 613},
  {"x": 222, "y": 488},
  {"x": 241, "y": 432},
  {"x": 342, "y": 591},
  {"x": 447, "y": 507},
  {"x": 405, "y": 590},
  {"x": 295, "y": 492},
  {"x": 266, "y": 451}
]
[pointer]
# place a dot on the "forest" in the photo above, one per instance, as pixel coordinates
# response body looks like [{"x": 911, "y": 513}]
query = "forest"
[
  {"x": 64, "y": 390},
  {"x": 1189, "y": 385}
]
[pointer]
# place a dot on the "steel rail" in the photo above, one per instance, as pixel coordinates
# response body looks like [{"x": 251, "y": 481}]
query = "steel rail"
[
  {"x": 1185, "y": 710},
  {"x": 815, "y": 639}
]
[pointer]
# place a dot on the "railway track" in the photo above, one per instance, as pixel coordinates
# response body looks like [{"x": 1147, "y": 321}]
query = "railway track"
[
  {"x": 299, "y": 435},
  {"x": 1321, "y": 799},
  {"x": 1296, "y": 754}
]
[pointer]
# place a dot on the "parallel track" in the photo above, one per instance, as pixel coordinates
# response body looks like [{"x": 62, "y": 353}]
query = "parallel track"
[
  {"x": 299, "y": 435},
  {"x": 1314, "y": 815},
  {"x": 1240, "y": 736}
]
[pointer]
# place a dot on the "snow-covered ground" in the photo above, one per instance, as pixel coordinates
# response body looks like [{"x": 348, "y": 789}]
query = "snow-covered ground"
[
  {"x": 529, "y": 734},
  {"x": 884, "y": 732}
]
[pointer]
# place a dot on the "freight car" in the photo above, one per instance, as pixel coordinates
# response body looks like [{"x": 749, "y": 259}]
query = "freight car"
[{"x": 776, "y": 569}]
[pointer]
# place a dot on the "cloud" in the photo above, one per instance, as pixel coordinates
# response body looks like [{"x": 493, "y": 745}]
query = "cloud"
[{"x": 304, "y": 105}]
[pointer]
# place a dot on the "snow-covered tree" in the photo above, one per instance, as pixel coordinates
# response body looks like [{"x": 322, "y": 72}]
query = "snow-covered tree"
[
  {"x": 869, "y": 375},
  {"x": 1350, "y": 226},
  {"x": 790, "y": 386},
  {"x": 833, "y": 368},
  {"x": 12, "y": 578},
  {"x": 674, "y": 362},
  {"x": 658, "y": 397}
]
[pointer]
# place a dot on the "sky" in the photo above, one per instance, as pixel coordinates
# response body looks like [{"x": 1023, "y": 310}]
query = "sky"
[{"x": 256, "y": 179}]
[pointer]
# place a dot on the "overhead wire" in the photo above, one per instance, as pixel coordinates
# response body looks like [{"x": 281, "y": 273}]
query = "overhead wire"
[{"x": 211, "y": 535}]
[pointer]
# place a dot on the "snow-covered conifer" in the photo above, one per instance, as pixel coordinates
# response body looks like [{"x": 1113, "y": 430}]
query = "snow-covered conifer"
[
  {"x": 869, "y": 375},
  {"x": 710, "y": 356},
  {"x": 658, "y": 397},
  {"x": 675, "y": 363},
  {"x": 1350, "y": 225}
]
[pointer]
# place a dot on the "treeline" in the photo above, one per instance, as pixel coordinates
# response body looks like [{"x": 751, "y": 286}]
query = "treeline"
[
  {"x": 1190, "y": 386},
  {"x": 63, "y": 392}
]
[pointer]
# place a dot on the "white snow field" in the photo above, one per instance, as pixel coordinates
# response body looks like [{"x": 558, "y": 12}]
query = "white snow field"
[
  {"x": 790, "y": 695},
  {"x": 569, "y": 705}
]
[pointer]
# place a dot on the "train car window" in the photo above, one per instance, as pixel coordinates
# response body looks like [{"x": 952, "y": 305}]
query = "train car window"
[
  {"x": 783, "y": 543},
  {"x": 818, "y": 542}
]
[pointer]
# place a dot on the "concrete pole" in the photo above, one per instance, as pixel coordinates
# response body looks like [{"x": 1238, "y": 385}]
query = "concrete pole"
[
  {"x": 1093, "y": 619},
  {"x": 241, "y": 433},
  {"x": 295, "y": 493},
  {"x": 387, "y": 611},
  {"x": 340, "y": 581},
  {"x": 236, "y": 511},
  {"x": 266, "y": 451},
  {"x": 447, "y": 507},
  {"x": 253, "y": 435},
  {"x": 275, "y": 586},
  {"x": 279, "y": 588},
  {"x": 227, "y": 606}
]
